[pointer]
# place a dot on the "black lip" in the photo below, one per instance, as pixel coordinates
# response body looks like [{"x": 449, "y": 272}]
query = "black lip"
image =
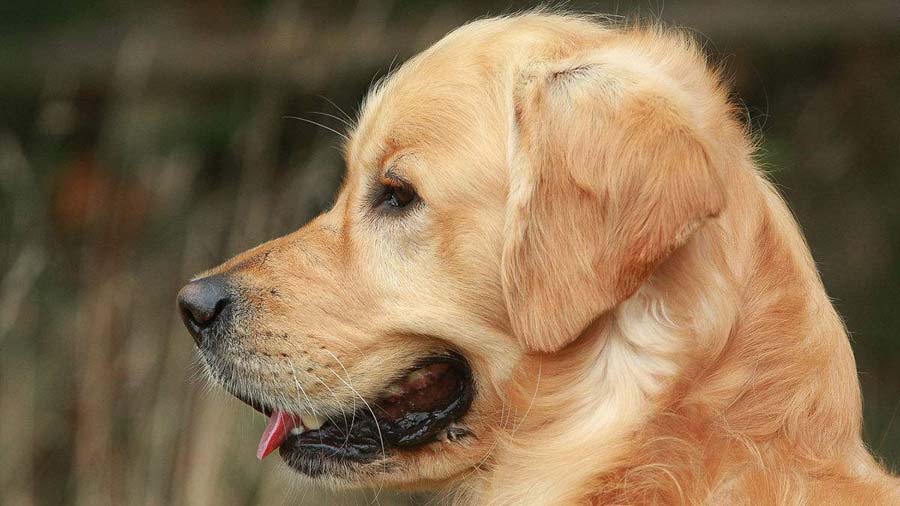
[
  {"x": 258, "y": 406},
  {"x": 367, "y": 434}
]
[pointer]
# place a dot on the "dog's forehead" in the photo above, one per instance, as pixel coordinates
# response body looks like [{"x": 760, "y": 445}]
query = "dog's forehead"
[
  {"x": 447, "y": 92},
  {"x": 426, "y": 104}
]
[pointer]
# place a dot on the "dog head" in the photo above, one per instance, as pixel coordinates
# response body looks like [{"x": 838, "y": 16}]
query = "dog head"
[{"x": 504, "y": 190}]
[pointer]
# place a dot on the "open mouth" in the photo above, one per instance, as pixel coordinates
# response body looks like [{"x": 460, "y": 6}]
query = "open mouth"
[{"x": 417, "y": 409}]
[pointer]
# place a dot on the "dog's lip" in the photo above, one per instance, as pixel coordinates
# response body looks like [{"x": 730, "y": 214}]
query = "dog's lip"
[
  {"x": 258, "y": 406},
  {"x": 412, "y": 411}
]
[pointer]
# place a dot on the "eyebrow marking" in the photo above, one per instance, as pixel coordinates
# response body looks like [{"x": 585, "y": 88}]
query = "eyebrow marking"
[{"x": 391, "y": 148}]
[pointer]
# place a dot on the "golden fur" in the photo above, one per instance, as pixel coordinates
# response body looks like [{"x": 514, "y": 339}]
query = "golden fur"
[{"x": 642, "y": 315}]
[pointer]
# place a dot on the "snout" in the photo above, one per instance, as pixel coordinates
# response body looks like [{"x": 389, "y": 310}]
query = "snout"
[{"x": 202, "y": 303}]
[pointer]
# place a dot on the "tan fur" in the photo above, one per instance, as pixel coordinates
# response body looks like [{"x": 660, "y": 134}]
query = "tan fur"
[{"x": 642, "y": 315}]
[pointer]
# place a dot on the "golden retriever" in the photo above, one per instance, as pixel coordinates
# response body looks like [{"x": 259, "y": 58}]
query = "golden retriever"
[{"x": 554, "y": 275}]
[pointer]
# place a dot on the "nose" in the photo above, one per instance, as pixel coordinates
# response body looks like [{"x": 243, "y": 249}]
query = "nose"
[{"x": 201, "y": 302}]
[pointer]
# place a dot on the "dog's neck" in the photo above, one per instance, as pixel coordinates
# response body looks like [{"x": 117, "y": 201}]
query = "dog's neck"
[{"x": 731, "y": 353}]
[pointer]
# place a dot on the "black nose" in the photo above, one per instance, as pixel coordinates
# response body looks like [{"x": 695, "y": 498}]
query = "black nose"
[{"x": 201, "y": 302}]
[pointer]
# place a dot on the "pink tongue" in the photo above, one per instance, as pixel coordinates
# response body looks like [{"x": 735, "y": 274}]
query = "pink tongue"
[{"x": 277, "y": 429}]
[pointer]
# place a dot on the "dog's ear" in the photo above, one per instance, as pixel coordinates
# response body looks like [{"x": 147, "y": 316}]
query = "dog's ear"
[{"x": 608, "y": 178}]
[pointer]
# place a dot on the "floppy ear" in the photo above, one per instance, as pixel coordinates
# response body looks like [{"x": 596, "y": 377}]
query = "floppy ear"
[{"x": 608, "y": 178}]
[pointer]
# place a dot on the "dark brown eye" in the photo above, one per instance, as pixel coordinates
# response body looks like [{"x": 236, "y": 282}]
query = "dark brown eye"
[{"x": 397, "y": 195}]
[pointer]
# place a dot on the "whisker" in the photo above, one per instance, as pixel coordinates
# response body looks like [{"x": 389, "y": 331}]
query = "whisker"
[
  {"x": 537, "y": 385},
  {"x": 342, "y": 120},
  {"x": 300, "y": 387},
  {"x": 374, "y": 418},
  {"x": 336, "y": 398},
  {"x": 326, "y": 127},
  {"x": 349, "y": 121}
]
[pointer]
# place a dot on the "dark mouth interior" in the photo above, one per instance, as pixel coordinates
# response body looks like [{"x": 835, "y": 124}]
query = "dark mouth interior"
[{"x": 415, "y": 410}]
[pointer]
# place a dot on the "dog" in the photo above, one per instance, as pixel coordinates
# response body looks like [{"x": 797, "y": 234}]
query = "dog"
[{"x": 553, "y": 275}]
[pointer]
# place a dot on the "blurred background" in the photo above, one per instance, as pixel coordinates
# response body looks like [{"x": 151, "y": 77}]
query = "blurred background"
[{"x": 141, "y": 142}]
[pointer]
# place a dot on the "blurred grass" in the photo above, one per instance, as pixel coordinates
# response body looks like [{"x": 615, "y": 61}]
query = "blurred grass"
[{"x": 140, "y": 143}]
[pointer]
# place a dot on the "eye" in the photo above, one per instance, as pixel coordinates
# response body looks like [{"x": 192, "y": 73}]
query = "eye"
[{"x": 397, "y": 194}]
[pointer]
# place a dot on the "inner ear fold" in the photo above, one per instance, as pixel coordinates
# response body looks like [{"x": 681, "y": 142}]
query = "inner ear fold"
[{"x": 606, "y": 182}]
